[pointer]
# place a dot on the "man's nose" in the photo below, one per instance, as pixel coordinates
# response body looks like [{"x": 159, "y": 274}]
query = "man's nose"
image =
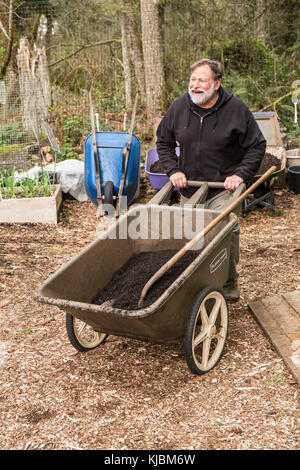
[{"x": 197, "y": 82}]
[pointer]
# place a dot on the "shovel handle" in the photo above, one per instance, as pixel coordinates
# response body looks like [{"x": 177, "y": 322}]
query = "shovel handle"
[
  {"x": 125, "y": 157},
  {"x": 201, "y": 234}
]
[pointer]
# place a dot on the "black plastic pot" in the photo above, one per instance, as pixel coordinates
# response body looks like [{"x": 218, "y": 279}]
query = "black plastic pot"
[{"x": 294, "y": 179}]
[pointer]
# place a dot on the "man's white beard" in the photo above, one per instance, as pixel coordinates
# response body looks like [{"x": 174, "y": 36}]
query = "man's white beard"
[{"x": 204, "y": 97}]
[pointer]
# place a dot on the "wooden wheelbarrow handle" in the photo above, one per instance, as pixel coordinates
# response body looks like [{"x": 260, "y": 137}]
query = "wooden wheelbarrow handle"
[
  {"x": 201, "y": 234},
  {"x": 97, "y": 168},
  {"x": 125, "y": 157}
]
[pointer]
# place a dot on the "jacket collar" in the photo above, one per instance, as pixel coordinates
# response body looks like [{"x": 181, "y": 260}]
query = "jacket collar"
[{"x": 192, "y": 107}]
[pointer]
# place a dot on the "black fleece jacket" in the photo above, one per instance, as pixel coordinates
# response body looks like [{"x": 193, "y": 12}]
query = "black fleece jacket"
[{"x": 223, "y": 142}]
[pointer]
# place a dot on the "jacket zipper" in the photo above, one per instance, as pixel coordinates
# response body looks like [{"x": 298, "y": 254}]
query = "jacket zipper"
[{"x": 201, "y": 119}]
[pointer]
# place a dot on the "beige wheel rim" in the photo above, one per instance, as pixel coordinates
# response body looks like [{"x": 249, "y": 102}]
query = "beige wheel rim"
[
  {"x": 85, "y": 334},
  {"x": 210, "y": 331}
]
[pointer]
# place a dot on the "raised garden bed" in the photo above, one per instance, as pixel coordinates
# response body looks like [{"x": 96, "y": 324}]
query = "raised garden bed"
[{"x": 43, "y": 210}]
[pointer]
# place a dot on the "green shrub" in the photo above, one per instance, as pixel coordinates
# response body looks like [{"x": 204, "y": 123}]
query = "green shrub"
[
  {"x": 244, "y": 55},
  {"x": 73, "y": 128}
]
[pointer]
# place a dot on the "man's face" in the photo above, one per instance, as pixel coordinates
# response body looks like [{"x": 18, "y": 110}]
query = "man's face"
[{"x": 202, "y": 87}]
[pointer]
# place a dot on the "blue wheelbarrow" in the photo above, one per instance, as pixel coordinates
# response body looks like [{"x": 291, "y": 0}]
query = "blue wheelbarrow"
[{"x": 112, "y": 166}]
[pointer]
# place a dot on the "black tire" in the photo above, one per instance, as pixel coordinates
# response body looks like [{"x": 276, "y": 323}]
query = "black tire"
[
  {"x": 108, "y": 192},
  {"x": 205, "y": 336},
  {"x": 81, "y": 343}
]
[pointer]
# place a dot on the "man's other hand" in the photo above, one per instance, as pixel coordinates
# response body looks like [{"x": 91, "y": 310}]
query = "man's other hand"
[
  {"x": 232, "y": 182},
  {"x": 179, "y": 180}
]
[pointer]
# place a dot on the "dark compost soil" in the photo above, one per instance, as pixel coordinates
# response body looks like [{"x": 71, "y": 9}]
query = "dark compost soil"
[
  {"x": 268, "y": 161},
  {"x": 126, "y": 285},
  {"x": 157, "y": 168}
]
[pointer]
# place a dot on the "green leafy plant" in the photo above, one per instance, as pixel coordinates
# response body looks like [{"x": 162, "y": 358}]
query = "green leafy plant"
[
  {"x": 25, "y": 332},
  {"x": 67, "y": 151},
  {"x": 40, "y": 186},
  {"x": 55, "y": 251},
  {"x": 73, "y": 128},
  {"x": 7, "y": 184}
]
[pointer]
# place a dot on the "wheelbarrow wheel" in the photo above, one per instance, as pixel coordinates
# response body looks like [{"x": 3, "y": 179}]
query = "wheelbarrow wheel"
[
  {"x": 206, "y": 330},
  {"x": 108, "y": 192},
  {"x": 81, "y": 335}
]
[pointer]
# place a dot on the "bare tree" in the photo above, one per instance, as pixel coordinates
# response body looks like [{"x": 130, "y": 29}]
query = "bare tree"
[
  {"x": 260, "y": 19},
  {"x": 135, "y": 45},
  {"x": 9, "y": 35},
  {"x": 125, "y": 58},
  {"x": 153, "y": 56}
]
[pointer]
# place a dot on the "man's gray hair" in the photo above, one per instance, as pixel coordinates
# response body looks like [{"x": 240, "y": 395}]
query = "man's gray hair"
[{"x": 215, "y": 66}]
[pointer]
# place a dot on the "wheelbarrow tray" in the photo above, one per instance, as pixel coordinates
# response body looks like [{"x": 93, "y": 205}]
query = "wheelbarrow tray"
[
  {"x": 73, "y": 287},
  {"x": 157, "y": 180},
  {"x": 277, "y": 179},
  {"x": 110, "y": 147}
]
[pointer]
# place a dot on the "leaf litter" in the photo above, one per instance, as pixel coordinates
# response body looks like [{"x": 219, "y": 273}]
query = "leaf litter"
[{"x": 132, "y": 395}]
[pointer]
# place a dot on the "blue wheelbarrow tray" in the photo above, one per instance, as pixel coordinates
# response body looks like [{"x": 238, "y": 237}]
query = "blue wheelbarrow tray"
[{"x": 110, "y": 147}]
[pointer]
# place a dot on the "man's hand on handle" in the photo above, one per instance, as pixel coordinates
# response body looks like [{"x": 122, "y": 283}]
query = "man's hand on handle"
[
  {"x": 232, "y": 182},
  {"x": 179, "y": 180}
]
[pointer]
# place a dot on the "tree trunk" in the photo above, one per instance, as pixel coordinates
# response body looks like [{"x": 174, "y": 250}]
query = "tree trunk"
[
  {"x": 48, "y": 38},
  {"x": 10, "y": 38},
  {"x": 34, "y": 83},
  {"x": 153, "y": 56},
  {"x": 260, "y": 21},
  {"x": 135, "y": 46},
  {"x": 126, "y": 61}
]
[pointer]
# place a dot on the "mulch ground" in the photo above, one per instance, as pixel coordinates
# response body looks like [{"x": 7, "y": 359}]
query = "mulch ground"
[{"x": 128, "y": 394}]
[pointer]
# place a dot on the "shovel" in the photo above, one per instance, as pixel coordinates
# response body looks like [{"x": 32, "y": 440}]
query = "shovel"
[{"x": 201, "y": 234}]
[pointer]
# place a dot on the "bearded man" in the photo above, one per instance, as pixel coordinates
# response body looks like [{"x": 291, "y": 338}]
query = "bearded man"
[{"x": 219, "y": 140}]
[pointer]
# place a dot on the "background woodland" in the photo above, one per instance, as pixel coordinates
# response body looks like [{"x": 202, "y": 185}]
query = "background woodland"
[{"x": 123, "y": 47}]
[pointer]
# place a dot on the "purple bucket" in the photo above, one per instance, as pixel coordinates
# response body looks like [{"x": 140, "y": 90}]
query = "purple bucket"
[{"x": 157, "y": 180}]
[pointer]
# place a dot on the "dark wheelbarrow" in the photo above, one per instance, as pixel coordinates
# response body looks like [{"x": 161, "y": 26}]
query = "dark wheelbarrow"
[
  {"x": 192, "y": 309},
  {"x": 263, "y": 196}
]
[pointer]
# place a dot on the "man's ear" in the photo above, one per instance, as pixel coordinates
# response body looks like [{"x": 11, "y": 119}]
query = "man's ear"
[{"x": 218, "y": 84}]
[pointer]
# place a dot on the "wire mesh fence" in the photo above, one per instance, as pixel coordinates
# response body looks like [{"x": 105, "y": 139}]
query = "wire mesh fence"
[
  {"x": 17, "y": 145},
  {"x": 81, "y": 52}
]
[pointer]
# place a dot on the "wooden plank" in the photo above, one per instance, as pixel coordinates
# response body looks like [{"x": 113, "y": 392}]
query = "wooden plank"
[
  {"x": 268, "y": 324},
  {"x": 279, "y": 317},
  {"x": 293, "y": 298},
  {"x": 284, "y": 315}
]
